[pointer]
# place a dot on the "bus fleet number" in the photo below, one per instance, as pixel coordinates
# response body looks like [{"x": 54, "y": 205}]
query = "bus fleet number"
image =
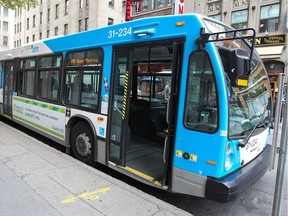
[{"x": 122, "y": 32}]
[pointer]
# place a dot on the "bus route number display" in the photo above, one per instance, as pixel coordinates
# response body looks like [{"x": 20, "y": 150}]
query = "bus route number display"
[{"x": 122, "y": 32}]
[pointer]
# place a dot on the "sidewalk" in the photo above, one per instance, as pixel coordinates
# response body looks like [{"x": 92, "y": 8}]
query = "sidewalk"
[{"x": 36, "y": 179}]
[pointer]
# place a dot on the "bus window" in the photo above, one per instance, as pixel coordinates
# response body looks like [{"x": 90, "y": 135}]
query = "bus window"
[
  {"x": 49, "y": 83},
  {"x": 201, "y": 100},
  {"x": 82, "y": 78},
  {"x": 153, "y": 66},
  {"x": 73, "y": 85},
  {"x": 27, "y": 77},
  {"x": 90, "y": 89}
]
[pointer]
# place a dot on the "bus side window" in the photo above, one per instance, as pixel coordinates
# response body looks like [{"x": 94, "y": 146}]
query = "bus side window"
[
  {"x": 201, "y": 98},
  {"x": 73, "y": 83},
  {"x": 90, "y": 89}
]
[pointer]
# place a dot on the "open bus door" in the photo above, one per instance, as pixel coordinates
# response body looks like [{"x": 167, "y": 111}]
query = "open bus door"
[
  {"x": 141, "y": 119},
  {"x": 9, "y": 84},
  {"x": 118, "y": 106}
]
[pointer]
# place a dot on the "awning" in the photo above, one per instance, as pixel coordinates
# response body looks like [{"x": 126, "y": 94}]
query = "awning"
[{"x": 270, "y": 51}]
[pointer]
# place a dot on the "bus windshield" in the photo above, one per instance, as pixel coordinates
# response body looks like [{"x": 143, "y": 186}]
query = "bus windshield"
[{"x": 248, "y": 106}]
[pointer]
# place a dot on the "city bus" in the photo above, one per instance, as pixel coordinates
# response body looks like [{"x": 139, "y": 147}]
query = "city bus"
[{"x": 181, "y": 103}]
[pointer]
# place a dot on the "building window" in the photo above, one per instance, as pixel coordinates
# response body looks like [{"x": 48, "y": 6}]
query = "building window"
[
  {"x": 5, "y": 41},
  {"x": 160, "y": 4},
  {"x": 41, "y": 14},
  {"x": 57, "y": 11},
  {"x": 80, "y": 3},
  {"x": 239, "y": 19},
  {"x": 34, "y": 20},
  {"x": 110, "y": 21},
  {"x": 33, "y": 37},
  {"x": 18, "y": 27},
  {"x": 87, "y": 2},
  {"x": 27, "y": 39},
  {"x": 48, "y": 15},
  {"x": 217, "y": 17},
  {"x": 40, "y": 36},
  {"x": 5, "y": 12},
  {"x": 111, "y": 2},
  {"x": 27, "y": 23},
  {"x": 80, "y": 26},
  {"x": 48, "y": 33},
  {"x": 269, "y": 18},
  {"x": 5, "y": 26},
  {"x": 56, "y": 31},
  {"x": 86, "y": 23},
  {"x": 66, "y": 6},
  {"x": 141, "y": 6},
  {"x": 15, "y": 28},
  {"x": 66, "y": 29}
]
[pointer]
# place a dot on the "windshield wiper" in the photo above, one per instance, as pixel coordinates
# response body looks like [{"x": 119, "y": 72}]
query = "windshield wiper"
[{"x": 243, "y": 143}]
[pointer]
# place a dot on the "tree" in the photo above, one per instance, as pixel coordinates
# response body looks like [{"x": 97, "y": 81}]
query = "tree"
[{"x": 13, "y": 4}]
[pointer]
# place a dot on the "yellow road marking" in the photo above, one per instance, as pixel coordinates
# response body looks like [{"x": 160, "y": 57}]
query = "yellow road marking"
[{"x": 88, "y": 195}]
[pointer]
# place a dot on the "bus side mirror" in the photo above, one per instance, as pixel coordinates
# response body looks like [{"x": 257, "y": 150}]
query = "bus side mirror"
[{"x": 236, "y": 64}]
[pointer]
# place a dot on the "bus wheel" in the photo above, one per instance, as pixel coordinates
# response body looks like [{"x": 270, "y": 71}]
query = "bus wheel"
[{"x": 82, "y": 143}]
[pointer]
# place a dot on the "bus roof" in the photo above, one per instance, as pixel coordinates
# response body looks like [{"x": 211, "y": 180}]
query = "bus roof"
[{"x": 146, "y": 29}]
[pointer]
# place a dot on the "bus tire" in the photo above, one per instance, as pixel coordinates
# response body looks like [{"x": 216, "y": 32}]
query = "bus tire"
[{"x": 82, "y": 143}]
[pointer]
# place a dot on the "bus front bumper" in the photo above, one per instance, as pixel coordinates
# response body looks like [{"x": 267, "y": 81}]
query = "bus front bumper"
[{"x": 228, "y": 188}]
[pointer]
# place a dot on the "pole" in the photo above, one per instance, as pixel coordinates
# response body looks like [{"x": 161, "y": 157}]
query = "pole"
[
  {"x": 282, "y": 162},
  {"x": 278, "y": 102}
]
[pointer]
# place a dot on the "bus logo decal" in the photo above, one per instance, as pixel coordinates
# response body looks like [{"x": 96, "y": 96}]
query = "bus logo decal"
[{"x": 101, "y": 131}]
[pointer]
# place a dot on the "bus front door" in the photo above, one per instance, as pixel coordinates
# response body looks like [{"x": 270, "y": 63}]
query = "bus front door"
[
  {"x": 119, "y": 106},
  {"x": 8, "y": 88},
  {"x": 142, "y": 116}
]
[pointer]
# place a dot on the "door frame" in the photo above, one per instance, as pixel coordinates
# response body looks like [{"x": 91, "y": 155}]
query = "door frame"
[
  {"x": 8, "y": 88},
  {"x": 178, "y": 46}
]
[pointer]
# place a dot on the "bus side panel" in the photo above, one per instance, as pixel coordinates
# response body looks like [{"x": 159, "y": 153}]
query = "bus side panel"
[{"x": 46, "y": 117}]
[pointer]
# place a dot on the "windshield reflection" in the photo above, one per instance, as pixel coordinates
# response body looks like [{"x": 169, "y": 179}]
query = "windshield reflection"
[{"x": 247, "y": 105}]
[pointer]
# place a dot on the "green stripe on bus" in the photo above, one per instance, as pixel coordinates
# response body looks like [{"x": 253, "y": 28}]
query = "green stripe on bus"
[
  {"x": 61, "y": 136},
  {"x": 46, "y": 106}
]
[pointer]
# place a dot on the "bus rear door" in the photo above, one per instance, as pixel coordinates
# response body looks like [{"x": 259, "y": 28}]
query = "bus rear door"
[{"x": 9, "y": 82}]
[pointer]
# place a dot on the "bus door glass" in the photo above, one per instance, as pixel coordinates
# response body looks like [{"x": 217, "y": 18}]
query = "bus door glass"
[
  {"x": 8, "y": 87},
  {"x": 119, "y": 106}
]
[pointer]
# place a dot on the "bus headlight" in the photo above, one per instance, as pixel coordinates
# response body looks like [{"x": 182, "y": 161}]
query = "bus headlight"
[{"x": 229, "y": 157}]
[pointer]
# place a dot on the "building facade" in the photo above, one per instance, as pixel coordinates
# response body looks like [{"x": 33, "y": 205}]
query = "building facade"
[
  {"x": 50, "y": 18},
  {"x": 6, "y": 26},
  {"x": 268, "y": 17}
]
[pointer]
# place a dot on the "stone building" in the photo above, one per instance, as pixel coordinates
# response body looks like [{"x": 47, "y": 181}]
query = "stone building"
[
  {"x": 6, "y": 26},
  {"x": 50, "y": 18}
]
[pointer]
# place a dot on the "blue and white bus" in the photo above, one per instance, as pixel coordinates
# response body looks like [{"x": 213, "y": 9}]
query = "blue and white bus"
[{"x": 100, "y": 93}]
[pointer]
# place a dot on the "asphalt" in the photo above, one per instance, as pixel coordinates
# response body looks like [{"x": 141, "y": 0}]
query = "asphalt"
[{"x": 36, "y": 179}]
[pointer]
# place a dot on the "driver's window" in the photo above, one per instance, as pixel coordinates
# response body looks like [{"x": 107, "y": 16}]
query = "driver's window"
[{"x": 201, "y": 98}]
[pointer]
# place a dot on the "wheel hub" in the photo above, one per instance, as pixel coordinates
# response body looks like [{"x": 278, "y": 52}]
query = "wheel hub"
[{"x": 83, "y": 145}]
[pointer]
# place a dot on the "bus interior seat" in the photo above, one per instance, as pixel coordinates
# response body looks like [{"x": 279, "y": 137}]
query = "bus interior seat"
[{"x": 147, "y": 121}]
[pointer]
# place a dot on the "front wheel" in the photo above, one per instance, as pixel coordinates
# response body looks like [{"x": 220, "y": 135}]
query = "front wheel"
[{"x": 82, "y": 142}]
